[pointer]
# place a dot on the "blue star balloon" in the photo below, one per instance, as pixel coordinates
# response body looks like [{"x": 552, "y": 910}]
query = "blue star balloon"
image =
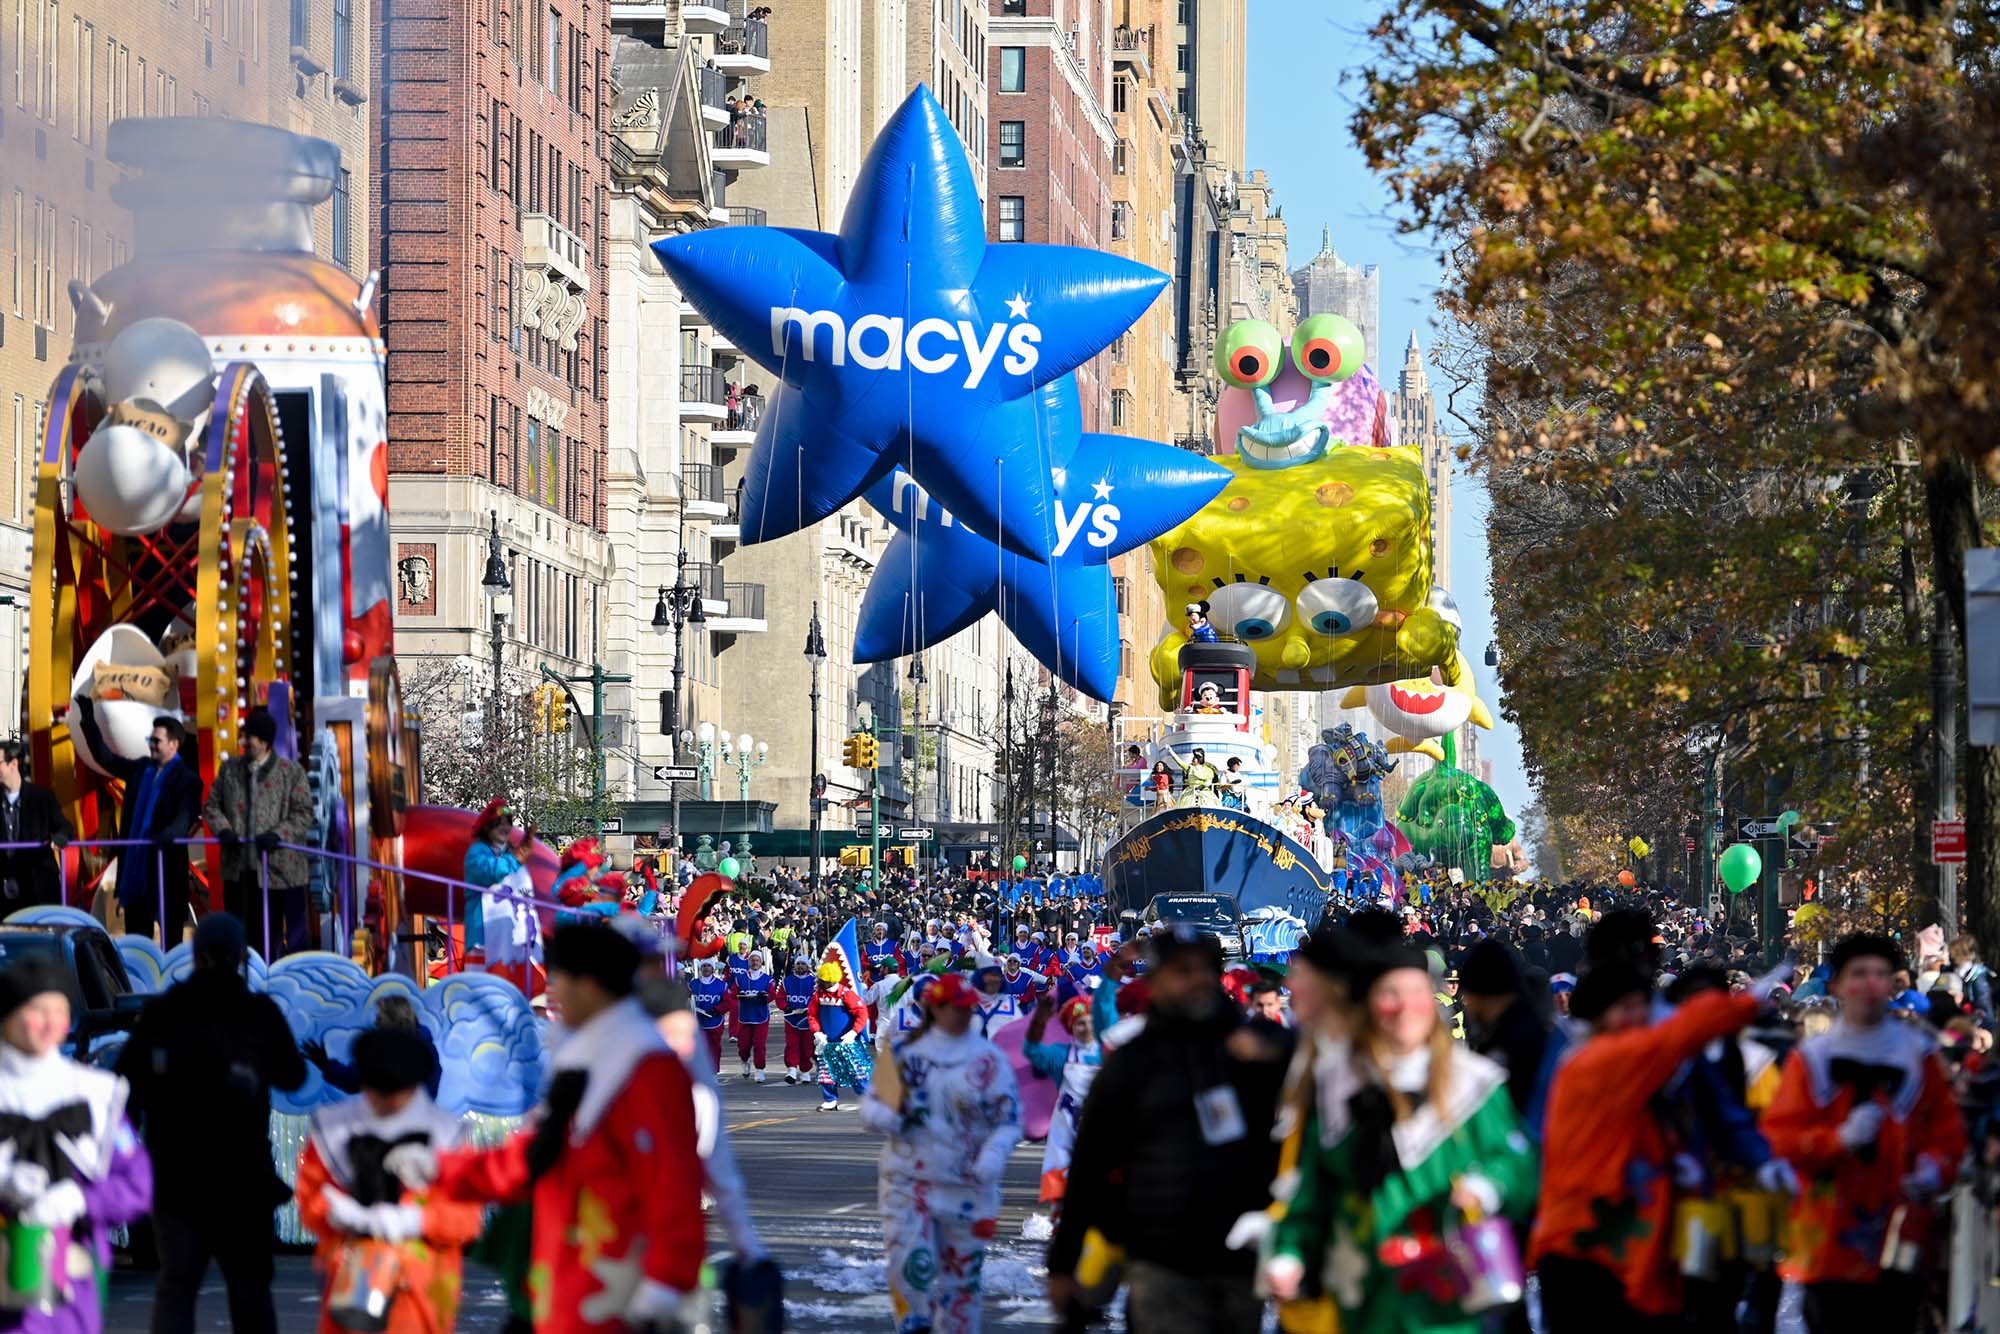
[
  {"x": 903, "y": 339},
  {"x": 1110, "y": 495}
]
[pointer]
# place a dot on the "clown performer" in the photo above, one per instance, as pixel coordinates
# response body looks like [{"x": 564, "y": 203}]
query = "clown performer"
[
  {"x": 952, "y": 1114},
  {"x": 1074, "y": 1065},
  {"x": 573, "y": 886},
  {"x": 360, "y": 1211},
  {"x": 71, "y": 1168},
  {"x": 496, "y": 852},
  {"x": 838, "y": 1018},
  {"x": 794, "y": 998}
]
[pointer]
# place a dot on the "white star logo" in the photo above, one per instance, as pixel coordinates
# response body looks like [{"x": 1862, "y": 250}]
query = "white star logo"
[
  {"x": 1017, "y": 307},
  {"x": 1101, "y": 490}
]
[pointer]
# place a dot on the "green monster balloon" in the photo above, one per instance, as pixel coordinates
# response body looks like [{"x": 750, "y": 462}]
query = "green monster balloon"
[
  {"x": 1453, "y": 818},
  {"x": 729, "y": 866},
  {"x": 1020, "y": 862},
  {"x": 1740, "y": 866}
]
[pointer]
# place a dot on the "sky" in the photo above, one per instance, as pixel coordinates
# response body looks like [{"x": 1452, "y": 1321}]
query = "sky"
[{"x": 1300, "y": 100}]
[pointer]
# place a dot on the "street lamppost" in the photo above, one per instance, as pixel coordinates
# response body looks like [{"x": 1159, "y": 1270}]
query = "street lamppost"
[
  {"x": 917, "y": 760},
  {"x": 500, "y": 605},
  {"x": 746, "y": 754},
  {"x": 816, "y": 785},
  {"x": 677, "y": 608},
  {"x": 707, "y": 750}
]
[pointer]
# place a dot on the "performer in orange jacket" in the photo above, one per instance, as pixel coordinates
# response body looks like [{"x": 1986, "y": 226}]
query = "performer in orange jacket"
[
  {"x": 1865, "y": 1113},
  {"x": 1602, "y": 1240},
  {"x": 346, "y": 1193},
  {"x": 611, "y": 1166}
]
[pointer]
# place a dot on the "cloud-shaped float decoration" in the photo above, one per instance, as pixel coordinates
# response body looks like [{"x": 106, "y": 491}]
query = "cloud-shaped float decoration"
[
  {"x": 902, "y": 339},
  {"x": 1111, "y": 495}
]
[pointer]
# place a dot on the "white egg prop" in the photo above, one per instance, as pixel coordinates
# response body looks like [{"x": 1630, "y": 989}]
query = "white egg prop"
[
  {"x": 163, "y": 363},
  {"x": 130, "y": 481},
  {"x": 125, "y": 723}
]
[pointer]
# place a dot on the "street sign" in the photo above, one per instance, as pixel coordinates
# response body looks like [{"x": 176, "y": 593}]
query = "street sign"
[
  {"x": 614, "y": 825},
  {"x": 1947, "y": 842},
  {"x": 1750, "y": 827},
  {"x": 676, "y": 773},
  {"x": 907, "y": 834}
]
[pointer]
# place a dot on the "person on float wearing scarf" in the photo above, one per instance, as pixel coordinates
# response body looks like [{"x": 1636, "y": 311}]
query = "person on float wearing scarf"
[
  {"x": 346, "y": 1191},
  {"x": 1865, "y": 1114},
  {"x": 613, "y": 1249},
  {"x": 69, "y": 1160}
]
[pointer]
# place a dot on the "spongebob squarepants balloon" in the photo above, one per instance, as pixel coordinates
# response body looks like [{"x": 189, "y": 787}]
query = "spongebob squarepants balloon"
[{"x": 1317, "y": 554}]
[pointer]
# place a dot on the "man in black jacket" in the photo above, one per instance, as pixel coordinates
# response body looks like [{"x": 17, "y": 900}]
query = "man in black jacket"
[
  {"x": 162, "y": 806},
  {"x": 1173, "y": 1147},
  {"x": 1500, "y": 1021},
  {"x": 201, "y": 1064},
  {"x": 29, "y": 813}
]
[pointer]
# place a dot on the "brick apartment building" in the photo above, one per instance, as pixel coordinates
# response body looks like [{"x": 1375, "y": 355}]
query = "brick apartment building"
[
  {"x": 488, "y": 158},
  {"x": 1048, "y": 80}
]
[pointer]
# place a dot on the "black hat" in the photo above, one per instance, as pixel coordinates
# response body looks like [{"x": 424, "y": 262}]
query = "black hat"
[
  {"x": 260, "y": 724},
  {"x": 1376, "y": 926},
  {"x": 1377, "y": 961},
  {"x": 604, "y": 955},
  {"x": 1604, "y": 985},
  {"x": 1330, "y": 949},
  {"x": 32, "y": 976},
  {"x": 219, "y": 939},
  {"x": 1489, "y": 969},
  {"x": 390, "y": 1060},
  {"x": 1624, "y": 933},
  {"x": 1171, "y": 944},
  {"x": 1865, "y": 943}
]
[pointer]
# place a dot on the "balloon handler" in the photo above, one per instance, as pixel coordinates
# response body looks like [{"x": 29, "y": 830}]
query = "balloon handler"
[
  {"x": 391, "y": 1258},
  {"x": 837, "y": 1017}
]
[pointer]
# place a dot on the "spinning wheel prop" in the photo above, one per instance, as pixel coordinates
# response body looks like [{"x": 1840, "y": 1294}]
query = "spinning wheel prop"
[{"x": 220, "y": 574}]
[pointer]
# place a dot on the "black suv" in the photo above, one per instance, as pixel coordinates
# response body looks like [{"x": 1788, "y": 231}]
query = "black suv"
[{"x": 1211, "y": 914}]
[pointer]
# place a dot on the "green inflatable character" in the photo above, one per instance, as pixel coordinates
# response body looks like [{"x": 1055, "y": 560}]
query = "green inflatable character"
[{"x": 1453, "y": 818}]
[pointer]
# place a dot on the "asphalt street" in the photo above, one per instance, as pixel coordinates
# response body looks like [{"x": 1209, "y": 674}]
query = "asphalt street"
[{"x": 812, "y": 1194}]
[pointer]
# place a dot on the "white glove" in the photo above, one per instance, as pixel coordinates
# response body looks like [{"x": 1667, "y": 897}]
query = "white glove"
[
  {"x": 26, "y": 1182},
  {"x": 396, "y": 1222},
  {"x": 1283, "y": 1274},
  {"x": 415, "y": 1165},
  {"x": 1249, "y": 1230},
  {"x": 1687, "y": 1171},
  {"x": 654, "y": 1304},
  {"x": 1924, "y": 1181},
  {"x": 850, "y": 1037},
  {"x": 343, "y": 1211},
  {"x": 1862, "y": 1125},
  {"x": 819, "y": 1043},
  {"x": 58, "y": 1206},
  {"x": 1777, "y": 1175}
]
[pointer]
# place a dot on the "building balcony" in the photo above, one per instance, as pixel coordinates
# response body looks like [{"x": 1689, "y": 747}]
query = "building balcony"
[
  {"x": 741, "y": 144},
  {"x": 1133, "y": 46},
  {"x": 712, "y": 92},
  {"x": 707, "y": 576},
  {"x": 555, "y": 280},
  {"x": 701, "y": 491},
  {"x": 546, "y": 243},
  {"x": 743, "y": 612},
  {"x": 702, "y": 394},
  {"x": 738, "y": 428},
  {"x": 701, "y": 16},
  {"x": 745, "y": 49},
  {"x": 1195, "y": 444}
]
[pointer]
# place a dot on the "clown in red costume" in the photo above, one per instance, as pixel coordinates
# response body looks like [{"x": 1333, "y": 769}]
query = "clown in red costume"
[{"x": 610, "y": 1164}]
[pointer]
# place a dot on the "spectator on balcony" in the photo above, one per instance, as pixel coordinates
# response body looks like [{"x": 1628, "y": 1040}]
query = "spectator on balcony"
[{"x": 749, "y": 410}]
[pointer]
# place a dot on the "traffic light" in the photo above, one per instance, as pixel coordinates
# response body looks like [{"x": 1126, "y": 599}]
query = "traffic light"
[
  {"x": 539, "y": 703},
  {"x": 850, "y": 754},
  {"x": 867, "y": 750},
  {"x": 854, "y": 856},
  {"x": 558, "y": 710}
]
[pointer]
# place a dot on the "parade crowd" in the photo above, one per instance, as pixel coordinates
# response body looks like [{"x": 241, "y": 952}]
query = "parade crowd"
[{"x": 1559, "y": 1108}]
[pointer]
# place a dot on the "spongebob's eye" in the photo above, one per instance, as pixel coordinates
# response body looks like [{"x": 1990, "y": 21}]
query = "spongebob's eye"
[
  {"x": 1249, "y": 354},
  {"x": 1337, "y": 606},
  {"x": 1327, "y": 348},
  {"x": 1249, "y": 611}
]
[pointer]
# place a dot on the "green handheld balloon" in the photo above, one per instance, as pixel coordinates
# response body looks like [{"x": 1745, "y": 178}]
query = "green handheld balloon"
[
  {"x": 1020, "y": 863},
  {"x": 1786, "y": 819},
  {"x": 1740, "y": 866},
  {"x": 729, "y": 866}
]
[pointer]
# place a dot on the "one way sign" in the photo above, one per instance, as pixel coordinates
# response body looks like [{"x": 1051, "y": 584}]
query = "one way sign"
[
  {"x": 1747, "y": 827},
  {"x": 675, "y": 773}
]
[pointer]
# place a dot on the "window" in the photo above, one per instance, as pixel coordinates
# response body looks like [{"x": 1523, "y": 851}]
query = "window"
[
  {"x": 495, "y": 159},
  {"x": 343, "y": 37},
  {"x": 20, "y": 53},
  {"x": 537, "y": 51},
  {"x": 1119, "y": 346},
  {"x": 552, "y": 62},
  {"x": 20, "y": 447},
  {"x": 1180, "y": 57},
  {"x": 1118, "y": 87},
  {"x": 1013, "y": 217},
  {"x": 1013, "y": 143},
  {"x": 1181, "y": 12},
  {"x": 513, "y": 318},
  {"x": 531, "y": 447},
  {"x": 343, "y": 184},
  {"x": 1119, "y": 152},
  {"x": 20, "y": 235},
  {"x": 1121, "y": 408},
  {"x": 1013, "y": 69},
  {"x": 1121, "y": 220},
  {"x": 1121, "y": 589},
  {"x": 301, "y": 23},
  {"x": 495, "y": 430}
]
